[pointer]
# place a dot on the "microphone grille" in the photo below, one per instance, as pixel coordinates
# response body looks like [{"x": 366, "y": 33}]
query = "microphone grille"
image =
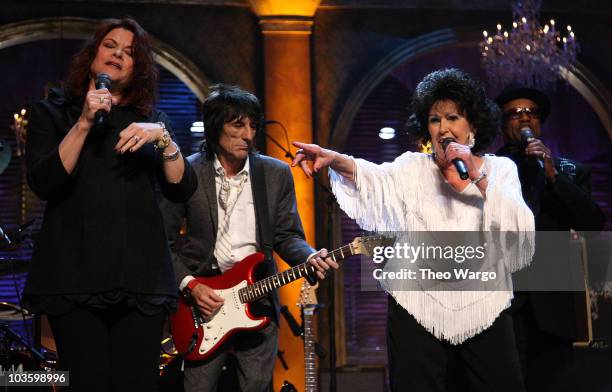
[
  {"x": 526, "y": 133},
  {"x": 103, "y": 78},
  {"x": 446, "y": 141}
]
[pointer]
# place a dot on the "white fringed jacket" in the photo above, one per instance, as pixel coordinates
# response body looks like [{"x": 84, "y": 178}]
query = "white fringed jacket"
[{"x": 411, "y": 194}]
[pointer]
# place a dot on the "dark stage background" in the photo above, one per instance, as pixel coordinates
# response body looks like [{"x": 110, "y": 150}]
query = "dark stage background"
[{"x": 349, "y": 42}]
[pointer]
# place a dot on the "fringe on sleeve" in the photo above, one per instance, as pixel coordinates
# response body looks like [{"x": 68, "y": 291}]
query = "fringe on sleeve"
[
  {"x": 375, "y": 200},
  {"x": 505, "y": 211}
]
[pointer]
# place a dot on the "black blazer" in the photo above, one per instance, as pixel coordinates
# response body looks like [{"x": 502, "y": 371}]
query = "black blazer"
[
  {"x": 560, "y": 206},
  {"x": 273, "y": 196},
  {"x": 102, "y": 228}
]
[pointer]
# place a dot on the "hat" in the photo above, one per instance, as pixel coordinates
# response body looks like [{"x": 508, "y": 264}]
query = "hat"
[{"x": 516, "y": 91}]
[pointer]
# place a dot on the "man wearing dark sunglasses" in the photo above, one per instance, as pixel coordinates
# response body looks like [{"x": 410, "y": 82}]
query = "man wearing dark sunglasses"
[
  {"x": 523, "y": 111},
  {"x": 558, "y": 192}
]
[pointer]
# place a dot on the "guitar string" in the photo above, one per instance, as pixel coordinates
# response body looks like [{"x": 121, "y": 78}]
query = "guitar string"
[{"x": 259, "y": 289}]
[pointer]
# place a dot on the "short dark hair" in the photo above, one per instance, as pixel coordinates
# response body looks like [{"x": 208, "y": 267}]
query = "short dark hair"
[
  {"x": 467, "y": 93},
  {"x": 142, "y": 90},
  {"x": 227, "y": 103}
]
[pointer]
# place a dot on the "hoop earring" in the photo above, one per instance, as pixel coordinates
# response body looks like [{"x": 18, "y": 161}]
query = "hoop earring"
[{"x": 471, "y": 140}]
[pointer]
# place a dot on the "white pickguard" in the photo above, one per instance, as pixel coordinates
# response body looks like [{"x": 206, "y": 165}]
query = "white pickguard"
[{"x": 231, "y": 315}]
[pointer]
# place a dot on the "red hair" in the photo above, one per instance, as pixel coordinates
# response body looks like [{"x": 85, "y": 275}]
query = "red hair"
[{"x": 142, "y": 89}]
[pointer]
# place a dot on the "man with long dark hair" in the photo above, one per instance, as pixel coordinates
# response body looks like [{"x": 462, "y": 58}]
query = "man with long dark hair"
[{"x": 245, "y": 203}]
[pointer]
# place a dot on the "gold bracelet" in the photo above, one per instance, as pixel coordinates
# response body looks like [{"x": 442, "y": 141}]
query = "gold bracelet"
[{"x": 165, "y": 139}]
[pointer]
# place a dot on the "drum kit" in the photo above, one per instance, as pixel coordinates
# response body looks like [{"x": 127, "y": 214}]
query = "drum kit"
[{"x": 17, "y": 353}]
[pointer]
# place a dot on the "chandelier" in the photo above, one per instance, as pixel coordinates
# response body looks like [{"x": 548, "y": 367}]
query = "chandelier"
[{"x": 529, "y": 54}]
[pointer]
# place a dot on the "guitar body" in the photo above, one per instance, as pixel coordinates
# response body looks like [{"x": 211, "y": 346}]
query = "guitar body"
[{"x": 199, "y": 336}]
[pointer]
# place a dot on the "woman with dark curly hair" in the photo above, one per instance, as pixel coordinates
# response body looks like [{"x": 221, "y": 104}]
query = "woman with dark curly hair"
[
  {"x": 101, "y": 268},
  {"x": 432, "y": 334}
]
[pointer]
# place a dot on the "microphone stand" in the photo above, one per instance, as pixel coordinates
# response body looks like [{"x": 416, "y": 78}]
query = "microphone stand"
[
  {"x": 331, "y": 203},
  {"x": 290, "y": 156}
]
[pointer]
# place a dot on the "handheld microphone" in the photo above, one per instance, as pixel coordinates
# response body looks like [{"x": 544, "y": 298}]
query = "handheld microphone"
[
  {"x": 526, "y": 134},
  {"x": 102, "y": 81},
  {"x": 459, "y": 164}
]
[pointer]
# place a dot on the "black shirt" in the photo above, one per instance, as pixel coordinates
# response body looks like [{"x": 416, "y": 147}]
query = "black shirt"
[{"x": 102, "y": 230}]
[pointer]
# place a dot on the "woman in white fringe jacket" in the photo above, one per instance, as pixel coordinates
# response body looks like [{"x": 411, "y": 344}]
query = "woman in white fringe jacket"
[{"x": 440, "y": 340}]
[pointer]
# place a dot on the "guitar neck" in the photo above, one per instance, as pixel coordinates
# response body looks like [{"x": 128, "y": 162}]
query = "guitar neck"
[
  {"x": 261, "y": 288},
  {"x": 311, "y": 383}
]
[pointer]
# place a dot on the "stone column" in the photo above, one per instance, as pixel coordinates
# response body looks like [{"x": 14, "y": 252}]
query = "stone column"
[{"x": 286, "y": 27}]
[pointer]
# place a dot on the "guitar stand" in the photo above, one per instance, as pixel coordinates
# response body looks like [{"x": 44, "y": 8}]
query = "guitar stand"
[
  {"x": 298, "y": 330},
  {"x": 331, "y": 308},
  {"x": 281, "y": 357}
]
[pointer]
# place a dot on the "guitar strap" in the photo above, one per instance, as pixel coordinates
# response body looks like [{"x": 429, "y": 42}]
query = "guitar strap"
[{"x": 261, "y": 206}]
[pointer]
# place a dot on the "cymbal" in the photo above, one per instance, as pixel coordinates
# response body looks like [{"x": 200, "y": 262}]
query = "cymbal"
[
  {"x": 13, "y": 312},
  {"x": 11, "y": 265},
  {"x": 5, "y": 155}
]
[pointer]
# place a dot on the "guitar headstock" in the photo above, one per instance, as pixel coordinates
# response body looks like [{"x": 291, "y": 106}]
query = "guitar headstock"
[
  {"x": 308, "y": 295},
  {"x": 365, "y": 245}
]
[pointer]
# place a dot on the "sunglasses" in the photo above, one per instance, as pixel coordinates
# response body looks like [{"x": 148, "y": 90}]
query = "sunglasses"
[{"x": 517, "y": 113}]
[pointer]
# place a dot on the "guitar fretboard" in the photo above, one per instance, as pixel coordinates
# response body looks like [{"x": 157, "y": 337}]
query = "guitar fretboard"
[
  {"x": 261, "y": 288},
  {"x": 311, "y": 382}
]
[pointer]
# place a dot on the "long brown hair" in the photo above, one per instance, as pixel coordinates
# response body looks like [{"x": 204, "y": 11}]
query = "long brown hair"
[{"x": 142, "y": 90}]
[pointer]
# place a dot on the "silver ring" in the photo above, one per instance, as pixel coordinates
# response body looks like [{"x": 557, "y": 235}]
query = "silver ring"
[
  {"x": 300, "y": 151},
  {"x": 136, "y": 139}
]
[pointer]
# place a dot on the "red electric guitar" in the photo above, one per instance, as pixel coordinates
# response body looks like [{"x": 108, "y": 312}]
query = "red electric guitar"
[{"x": 198, "y": 337}]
